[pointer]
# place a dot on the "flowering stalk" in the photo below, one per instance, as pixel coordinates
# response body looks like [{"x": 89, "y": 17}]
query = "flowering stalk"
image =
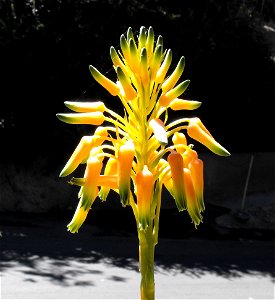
[{"x": 142, "y": 151}]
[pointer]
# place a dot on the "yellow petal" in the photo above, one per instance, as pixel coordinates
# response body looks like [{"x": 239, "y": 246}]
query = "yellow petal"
[
  {"x": 197, "y": 133},
  {"x": 180, "y": 104},
  {"x": 130, "y": 92},
  {"x": 108, "y": 84},
  {"x": 134, "y": 58},
  {"x": 156, "y": 61},
  {"x": 85, "y": 106},
  {"x": 90, "y": 190},
  {"x": 125, "y": 159},
  {"x": 82, "y": 150},
  {"x": 78, "y": 219},
  {"x": 92, "y": 118},
  {"x": 150, "y": 43},
  {"x": 170, "y": 82},
  {"x": 117, "y": 60},
  {"x": 161, "y": 73},
  {"x": 196, "y": 169},
  {"x": 144, "y": 74},
  {"x": 165, "y": 99}
]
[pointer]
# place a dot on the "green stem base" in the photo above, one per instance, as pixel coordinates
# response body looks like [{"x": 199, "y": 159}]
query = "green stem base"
[{"x": 146, "y": 262}]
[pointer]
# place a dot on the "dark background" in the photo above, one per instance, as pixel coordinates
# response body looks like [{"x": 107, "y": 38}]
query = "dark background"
[{"x": 46, "y": 48}]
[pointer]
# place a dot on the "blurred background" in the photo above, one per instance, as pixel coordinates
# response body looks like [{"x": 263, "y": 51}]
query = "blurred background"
[{"x": 46, "y": 48}]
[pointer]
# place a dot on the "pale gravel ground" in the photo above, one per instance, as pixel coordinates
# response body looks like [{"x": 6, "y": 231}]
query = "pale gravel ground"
[
  {"x": 104, "y": 281},
  {"x": 40, "y": 260}
]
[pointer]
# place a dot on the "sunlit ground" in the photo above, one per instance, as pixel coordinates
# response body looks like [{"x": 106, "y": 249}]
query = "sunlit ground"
[{"x": 40, "y": 260}]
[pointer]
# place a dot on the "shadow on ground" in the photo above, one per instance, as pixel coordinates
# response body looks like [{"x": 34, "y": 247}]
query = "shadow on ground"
[{"x": 41, "y": 247}]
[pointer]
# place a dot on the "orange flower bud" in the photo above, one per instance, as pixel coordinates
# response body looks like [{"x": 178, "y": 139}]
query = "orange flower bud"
[
  {"x": 179, "y": 139},
  {"x": 191, "y": 197},
  {"x": 196, "y": 169},
  {"x": 176, "y": 164},
  {"x": 108, "y": 84},
  {"x": 144, "y": 191},
  {"x": 188, "y": 156},
  {"x": 125, "y": 159}
]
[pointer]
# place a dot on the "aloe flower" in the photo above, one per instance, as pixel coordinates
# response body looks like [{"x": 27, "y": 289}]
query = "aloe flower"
[{"x": 140, "y": 152}]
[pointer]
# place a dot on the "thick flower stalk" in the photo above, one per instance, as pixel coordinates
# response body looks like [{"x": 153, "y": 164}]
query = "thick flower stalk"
[{"x": 138, "y": 153}]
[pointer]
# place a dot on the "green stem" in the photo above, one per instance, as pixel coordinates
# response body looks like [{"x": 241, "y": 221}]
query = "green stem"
[{"x": 146, "y": 263}]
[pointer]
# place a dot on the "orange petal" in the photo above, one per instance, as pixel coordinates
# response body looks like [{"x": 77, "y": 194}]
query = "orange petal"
[
  {"x": 90, "y": 190},
  {"x": 176, "y": 164},
  {"x": 196, "y": 169},
  {"x": 126, "y": 155},
  {"x": 144, "y": 190},
  {"x": 192, "y": 202},
  {"x": 179, "y": 139}
]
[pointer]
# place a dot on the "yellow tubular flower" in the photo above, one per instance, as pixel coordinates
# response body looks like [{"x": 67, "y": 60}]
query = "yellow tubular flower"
[
  {"x": 196, "y": 169},
  {"x": 165, "y": 99},
  {"x": 117, "y": 61},
  {"x": 78, "y": 218},
  {"x": 188, "y": 156},
  {"x": 108, "y": 84},
  {"x": 144, "y": 66},
  {"x": 92, "y": 118},
  {"x": 161, "y": 73},
  {"x": 156, "y": 61},
  {"x": 85, "y": 106},
  {"x": 176, "y": 164},
  {"x": 82, "y": 150},
  {"x": 180, "y": 104},
  {"x": 126, "y": 155},
  {"x": 191, "y": 197},
  {"x": 198, "y": 133},
  {"x": 90, "y": 190},
  {"x": 134, "y": 58},
  {"x": 144, "y": 191},
  {"x": 170, "y": 82},
  {"x": 130, "y": 92},
  {"x": 150, "y": 43}
]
